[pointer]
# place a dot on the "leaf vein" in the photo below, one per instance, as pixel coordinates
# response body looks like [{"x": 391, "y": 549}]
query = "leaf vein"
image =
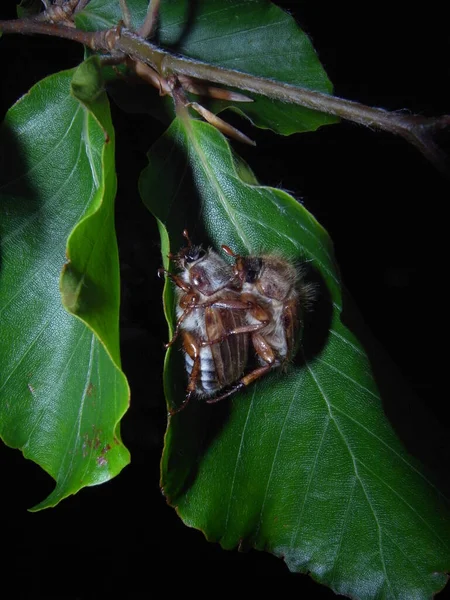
[
  {"x": 235, "y": 33},
  {"x": 401, "y": 498},
  {"x": 408, "y": 558},
  {"x": 37, "y": 213},
  {"x": 238, "y": 458},
  {"x": 308, "y": 484},
  {"x": 291, "y": 240},
  {"x": 89, "y": 148},
  {"x": 346, "y": 341},
  {"x": 408, "y": 464},
  {"x": 363, "y": 387},
  {"x": 269, "y": 479},
  {"x": 343, "y": 528},
  {"x": 77, "y": 425},
  {"x": 30, "y": 346},
  {"x": 215, "y": 185},
  {"x": 45, "y": 158},
  {"x": 358, "y": 476}
]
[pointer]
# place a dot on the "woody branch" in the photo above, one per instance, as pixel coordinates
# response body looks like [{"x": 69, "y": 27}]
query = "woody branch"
[{"x": 123, "y": 43}]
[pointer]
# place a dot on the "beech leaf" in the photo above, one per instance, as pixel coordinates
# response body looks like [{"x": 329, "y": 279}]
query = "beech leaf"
[
  {"x": 303, "y": 464},
  {"x": 62, "y": 391}
]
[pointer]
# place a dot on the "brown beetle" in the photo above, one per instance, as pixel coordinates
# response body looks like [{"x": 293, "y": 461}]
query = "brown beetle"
[
  {"x": 213, "y": 322},
  {"x": 275, "y": 289}
]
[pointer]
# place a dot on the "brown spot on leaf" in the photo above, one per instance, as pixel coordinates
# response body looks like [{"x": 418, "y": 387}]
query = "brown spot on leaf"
[
  {"x": 101, "y": 461},
  {"x": 87, "y": 444}
]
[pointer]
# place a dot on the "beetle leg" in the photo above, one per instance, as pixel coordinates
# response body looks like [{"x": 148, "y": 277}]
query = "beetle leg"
[
  {"x": 264, "y": 351},
  {"x": 177, "y": 280},
  {"x": 256, "y": 311},
  {"x": 191, "y": 347},
  {"x": 188, "y": 303},
  {"x": 237, "y": 331},
  {"x": 186, "y": 312},
  {"x": 229, "y": 303},
  {"x": 242, "y": 383}
]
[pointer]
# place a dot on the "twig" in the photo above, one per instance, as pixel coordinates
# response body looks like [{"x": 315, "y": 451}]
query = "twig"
[
  {"x": 415, "y": 129},
  {"x": 58, "y": 12},
  {"x": 120, "y": 42},
  {"x": 99, "y": 41}
]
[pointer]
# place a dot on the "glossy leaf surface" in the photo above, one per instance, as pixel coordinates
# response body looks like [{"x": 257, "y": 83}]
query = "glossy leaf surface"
[
  {"x": 62, "y": 392},
  {"x": 303, "y": 464},
  {"x": 254, "y": 36}
]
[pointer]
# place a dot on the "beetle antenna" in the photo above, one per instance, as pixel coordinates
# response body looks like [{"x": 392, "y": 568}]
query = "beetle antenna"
[
  {"x": 174, "y": 411},
  {"x": 239, "y": 270},
  {"x": 186, "y": 235},
  {"x": 229, "y": 251}
]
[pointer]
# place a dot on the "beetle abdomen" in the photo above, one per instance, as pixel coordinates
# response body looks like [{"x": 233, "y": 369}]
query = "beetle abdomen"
[
  {"x": 231, "y": 354},
  {"x": 208, "y": 383}
]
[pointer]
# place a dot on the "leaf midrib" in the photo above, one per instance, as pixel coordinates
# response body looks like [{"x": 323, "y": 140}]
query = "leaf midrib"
[
  {"x": 354, "y": 459},
  {"x": 213, "y": 181}
]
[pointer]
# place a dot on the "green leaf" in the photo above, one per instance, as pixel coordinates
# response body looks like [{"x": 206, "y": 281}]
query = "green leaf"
[
  {"x": 28, "y": 8},
  {"x": 303, "y": 464},
  {"x": 103, "y": 14},
  {"x": 62, "y": 392},
  {"x": 253, "y": 36},
  {"x": 87, "y": 83}
]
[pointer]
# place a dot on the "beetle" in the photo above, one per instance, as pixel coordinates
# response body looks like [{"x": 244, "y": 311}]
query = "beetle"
[
  {"x": 275, "y": 289},
  {"x": 212, "y": 321}
]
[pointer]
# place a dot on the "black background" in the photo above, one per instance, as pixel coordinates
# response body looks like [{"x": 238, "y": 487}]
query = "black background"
[{"x": 385, "y": 208}]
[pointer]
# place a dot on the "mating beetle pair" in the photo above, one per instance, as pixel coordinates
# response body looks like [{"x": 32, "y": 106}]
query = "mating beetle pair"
[{"x": 237, "y": 322}]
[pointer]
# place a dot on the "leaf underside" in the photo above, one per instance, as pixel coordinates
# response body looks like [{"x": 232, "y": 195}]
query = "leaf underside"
[
  {"x": 303, "y": 464},
  {"x": 62, "y": 392}
]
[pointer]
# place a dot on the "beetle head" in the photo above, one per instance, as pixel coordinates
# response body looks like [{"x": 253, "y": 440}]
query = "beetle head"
[
  {"x": 272, "y": 276},
  {"x": 207, "y": 271}
]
